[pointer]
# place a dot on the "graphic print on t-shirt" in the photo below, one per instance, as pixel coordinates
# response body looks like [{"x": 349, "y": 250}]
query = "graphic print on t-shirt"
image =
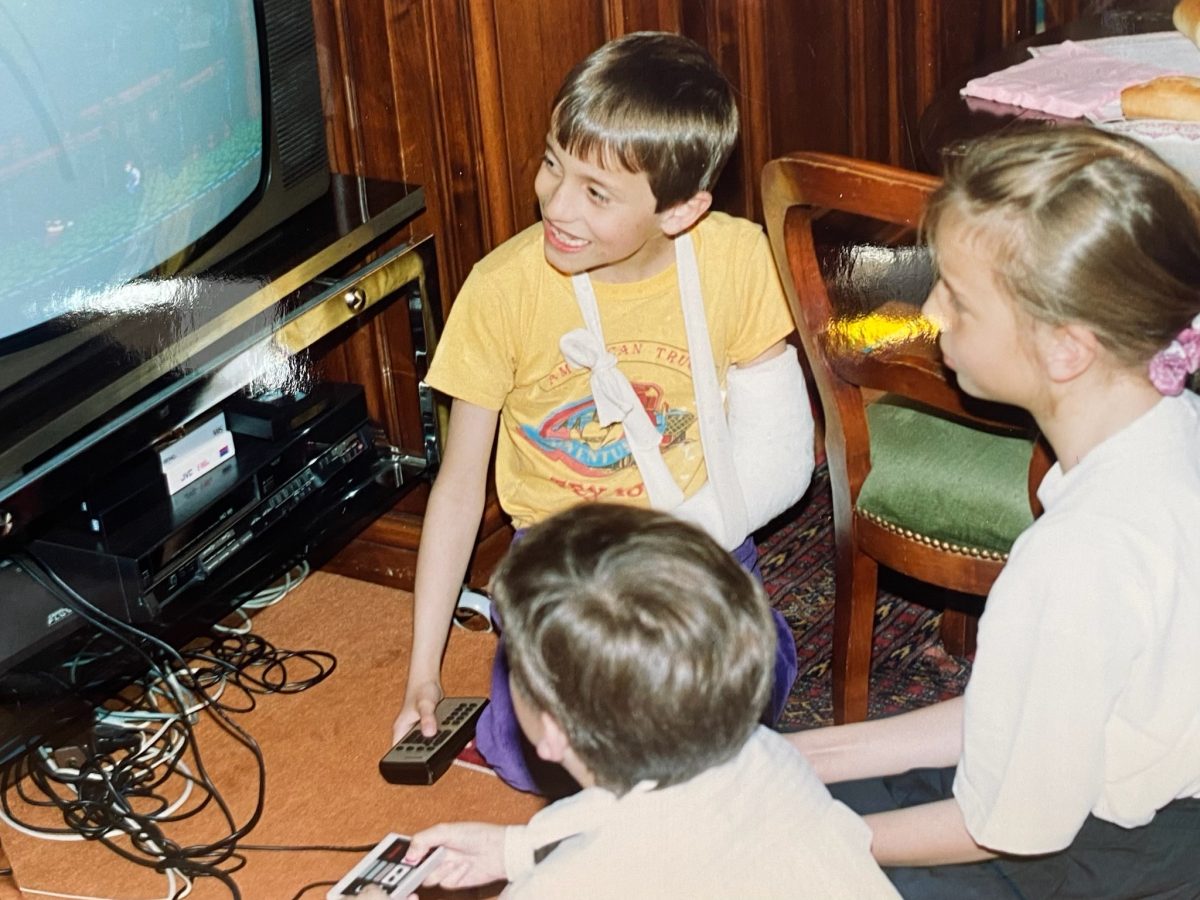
[{"x": 574, "y": 436}]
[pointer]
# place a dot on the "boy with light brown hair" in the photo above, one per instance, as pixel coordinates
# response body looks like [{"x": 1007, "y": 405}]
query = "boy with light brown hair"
[{"x": 640, "y": 653}]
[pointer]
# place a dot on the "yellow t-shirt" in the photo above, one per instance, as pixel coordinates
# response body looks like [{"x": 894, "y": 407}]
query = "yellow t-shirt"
[{"x": 500, "y": 351}]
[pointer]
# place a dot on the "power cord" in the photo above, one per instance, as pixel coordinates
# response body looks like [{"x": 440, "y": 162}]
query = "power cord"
[
  {"x": 313, "y": 886},
  {"x": 114, "y": 786},
  {"x": 268, "y": 596},
  {"x": 336, "y": 848}
]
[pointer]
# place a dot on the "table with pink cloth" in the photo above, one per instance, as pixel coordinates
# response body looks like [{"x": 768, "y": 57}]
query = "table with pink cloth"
[{"x": 1084, "y": 79}]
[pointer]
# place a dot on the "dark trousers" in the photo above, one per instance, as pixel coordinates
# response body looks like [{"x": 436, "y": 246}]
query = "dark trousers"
[{"x": 1160, "y": 859}]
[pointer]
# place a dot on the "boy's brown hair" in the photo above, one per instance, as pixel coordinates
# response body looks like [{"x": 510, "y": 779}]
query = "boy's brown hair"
[
  {"x": 649, "y": 644},
  {"x": 1085, "y": 226},
  {"x": 650, "y": 102}
]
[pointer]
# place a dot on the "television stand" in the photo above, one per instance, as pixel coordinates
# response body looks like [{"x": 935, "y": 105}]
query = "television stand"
[{"x": 338, "y": 275}]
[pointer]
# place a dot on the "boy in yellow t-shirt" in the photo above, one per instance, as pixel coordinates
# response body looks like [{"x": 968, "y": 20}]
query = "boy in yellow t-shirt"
[{"x": 601, "y": 341}]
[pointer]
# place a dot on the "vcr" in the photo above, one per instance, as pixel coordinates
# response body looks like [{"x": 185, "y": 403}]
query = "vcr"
[{"x": 132, "y": 548}]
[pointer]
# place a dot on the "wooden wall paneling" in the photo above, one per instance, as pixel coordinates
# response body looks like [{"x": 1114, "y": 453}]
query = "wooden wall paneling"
[
  {"x": 626, "y": 16},
  {"x": 334, "y": 86},
  {"x": 756, "y": 107},
  {"x": 1059, "y": 12},
  {"x": 936, "y": 43},
  {"x": 1018, "y": 19},
  {"x": 968, "y": 33},
  {"x": 833, "y": 84},
  {"x": 532, "y": 56},
  {"x": 379, "y": 77},
  {"x": 874, "y": 81},
  {"x": 402, "y": 128},
  {"x": 536, "y": 45},
  {"x": 859, "y": 74},
  {"x": 372, "y": 95},
  {"x": 496, "y": 186},
  {"x": 810, "y": 81},
  {"x": 840, "y": 92},
  {"x": 458, "y": 179},
  {"x": 720, "y": 27},
  {"x": 396, "y": 108},
  {"x": 854, "y": 77},
  {"x": 917, "y": 72},
  {"x": 368, "y": 136},
  {"x": 399, "y": 139}
]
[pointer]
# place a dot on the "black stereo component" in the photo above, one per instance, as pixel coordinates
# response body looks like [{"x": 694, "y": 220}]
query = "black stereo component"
[
  {"x": 33, "y": 616},
  {"x": 274, "y": 416},
  {"x": 159, "y": 545}
]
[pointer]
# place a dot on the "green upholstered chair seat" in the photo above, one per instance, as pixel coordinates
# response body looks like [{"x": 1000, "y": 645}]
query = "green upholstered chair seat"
[{"x": 946, "y": 482}]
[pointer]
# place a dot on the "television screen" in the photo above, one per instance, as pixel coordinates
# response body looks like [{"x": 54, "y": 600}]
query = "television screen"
[
  {"x": 150, "y": 153},
  {"x": 128, "y": 132}
]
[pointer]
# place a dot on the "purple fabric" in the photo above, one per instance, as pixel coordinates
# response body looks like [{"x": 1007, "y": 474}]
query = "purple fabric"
[{"x": 499, "y": 739}]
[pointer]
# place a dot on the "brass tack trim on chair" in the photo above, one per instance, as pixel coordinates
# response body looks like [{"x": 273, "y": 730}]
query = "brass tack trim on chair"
[{"x": 909, "y": 534}]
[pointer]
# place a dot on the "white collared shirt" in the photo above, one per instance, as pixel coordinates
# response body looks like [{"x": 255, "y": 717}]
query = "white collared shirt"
[
  {"x": 761, "y": 825},
  {"x": 1085, "y": 691}
]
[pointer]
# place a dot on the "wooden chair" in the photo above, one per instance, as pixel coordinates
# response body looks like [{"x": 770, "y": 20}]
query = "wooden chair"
[{"x": 926, "y": 480}]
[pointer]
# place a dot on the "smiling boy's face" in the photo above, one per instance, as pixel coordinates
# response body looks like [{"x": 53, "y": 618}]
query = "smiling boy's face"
[{"x": 599, "y": 220}]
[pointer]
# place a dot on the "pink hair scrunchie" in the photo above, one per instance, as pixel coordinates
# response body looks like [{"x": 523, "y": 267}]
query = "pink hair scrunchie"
[{"x": 1170, "y": 367}]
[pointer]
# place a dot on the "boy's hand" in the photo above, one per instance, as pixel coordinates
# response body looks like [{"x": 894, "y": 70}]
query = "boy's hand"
[
  {"x": 371, "y": 892},
  {"x": 420, "y": 705},
  {"x": 473, "y": 854}
]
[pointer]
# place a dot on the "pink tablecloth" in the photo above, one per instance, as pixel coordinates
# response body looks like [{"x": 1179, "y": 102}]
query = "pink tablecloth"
[{"x": 1067, "y": 80}]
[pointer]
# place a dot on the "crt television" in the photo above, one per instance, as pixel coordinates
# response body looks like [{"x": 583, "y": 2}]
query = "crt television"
[{"x": 142, "y": 144}]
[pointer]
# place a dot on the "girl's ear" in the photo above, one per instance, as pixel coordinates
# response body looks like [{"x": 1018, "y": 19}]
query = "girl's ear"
[
  {"x": 682, "y": 216},
  {"x": 1068, "y": 351}
]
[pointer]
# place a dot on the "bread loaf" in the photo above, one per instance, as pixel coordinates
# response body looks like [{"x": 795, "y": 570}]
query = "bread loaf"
[
  {"x": 1166, "y": 97},
  {"x": 1186, "y": 17}
]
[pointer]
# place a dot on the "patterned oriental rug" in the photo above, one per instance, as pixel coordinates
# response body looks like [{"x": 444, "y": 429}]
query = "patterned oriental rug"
[{"x": 911, "y": 668}]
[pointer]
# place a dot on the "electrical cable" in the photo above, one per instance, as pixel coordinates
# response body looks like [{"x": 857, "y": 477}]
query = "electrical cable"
[
  {"x": 268, "y": 596},
  {"x": 336, "y": 848},
  {"x": 116, "y": 790},
  {"x": 241, "y": 653},
  {"x": 308, "y": 887},
  {"x": 173, "y": 893},
  {"x": 97, "y": 819}
]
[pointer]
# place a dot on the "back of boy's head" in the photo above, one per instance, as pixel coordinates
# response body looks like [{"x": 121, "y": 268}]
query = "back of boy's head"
[
  {"x": 1086, "y": 226},
  {"x": 649, "y": 644},
  {"x": 650, "y": 102}
]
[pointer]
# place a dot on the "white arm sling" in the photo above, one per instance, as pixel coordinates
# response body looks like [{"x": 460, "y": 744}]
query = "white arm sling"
[{"x": 759, "y": 455}]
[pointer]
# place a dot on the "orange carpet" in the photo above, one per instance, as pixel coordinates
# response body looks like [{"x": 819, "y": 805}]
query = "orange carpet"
[
  {"x": 321, "y": 749},
  {"x": 8, "y": 884}
]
